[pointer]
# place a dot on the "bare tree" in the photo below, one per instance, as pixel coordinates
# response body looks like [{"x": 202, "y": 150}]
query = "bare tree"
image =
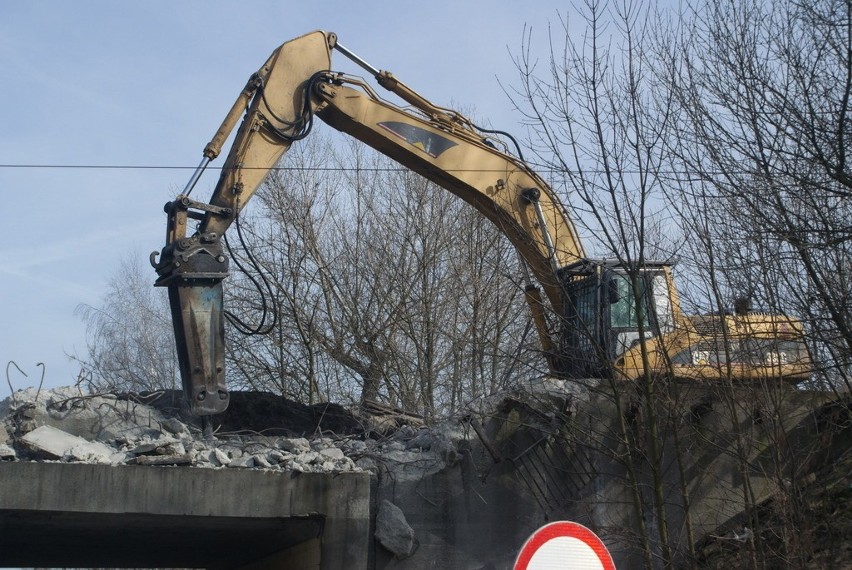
[
  {"x": 763, "y": 128},
  {"x": 388, "y": 288},
  {"x": 130, "y": 338},
  {"x": 599, "y": 124},
  {"x": 733, "y": 134},
  {"x": 761, "y": 181}
]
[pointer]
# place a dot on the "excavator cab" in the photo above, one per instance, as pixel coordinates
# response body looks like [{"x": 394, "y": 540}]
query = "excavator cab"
[{"x": 608, "y": 308}]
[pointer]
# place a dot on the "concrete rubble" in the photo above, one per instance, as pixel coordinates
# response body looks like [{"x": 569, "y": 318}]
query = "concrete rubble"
[
  {"x": 465, "y": 493},
  {"x": 67, "y": 425},
  {"x": 51, "y": 443},
  {"x": 394, "y": 532},
  {"x": 422, "y": 474}
]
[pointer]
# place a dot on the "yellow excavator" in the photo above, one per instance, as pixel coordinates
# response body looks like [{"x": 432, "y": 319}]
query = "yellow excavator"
[{"x": 595, "y": 319}]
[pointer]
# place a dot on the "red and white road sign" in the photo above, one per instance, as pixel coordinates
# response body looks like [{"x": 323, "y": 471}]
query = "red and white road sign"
[{"x": 564, "y": 545}]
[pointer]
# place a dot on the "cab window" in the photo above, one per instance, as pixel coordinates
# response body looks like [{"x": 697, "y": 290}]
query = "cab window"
[{"x": 623, "y": 314}]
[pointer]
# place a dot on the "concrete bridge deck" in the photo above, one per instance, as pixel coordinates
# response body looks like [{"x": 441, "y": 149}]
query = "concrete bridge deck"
[{"x": 80, "y": 515}]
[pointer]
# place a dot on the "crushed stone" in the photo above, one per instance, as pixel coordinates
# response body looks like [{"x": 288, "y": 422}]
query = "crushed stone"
[{"x": 152, "y": 430}]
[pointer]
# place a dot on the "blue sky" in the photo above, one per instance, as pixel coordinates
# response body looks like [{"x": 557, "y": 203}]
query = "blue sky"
[{"x": 146, "y": 84}]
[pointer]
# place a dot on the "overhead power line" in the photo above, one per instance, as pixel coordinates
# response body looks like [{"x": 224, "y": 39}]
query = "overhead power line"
[
  {"x": 538, "y": 168},
  {"x": 282, "y": 168},
  {"x": 162, "y": 167},
  {"x": 97, "y": 166}
]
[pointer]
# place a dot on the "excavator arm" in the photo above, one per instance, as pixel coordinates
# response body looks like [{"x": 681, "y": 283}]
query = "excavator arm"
[
  {"x": 277, "y": 107},
  {"x": 449, "y": 151}
]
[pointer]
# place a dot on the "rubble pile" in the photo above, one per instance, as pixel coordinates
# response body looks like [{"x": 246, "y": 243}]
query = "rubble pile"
[{"x": 66, "y": 425}]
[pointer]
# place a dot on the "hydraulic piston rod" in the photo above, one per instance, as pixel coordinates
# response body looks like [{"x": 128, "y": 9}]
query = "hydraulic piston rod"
[
  {"x": 361, "y": 63},
  {"x": 532, "y": 196}
]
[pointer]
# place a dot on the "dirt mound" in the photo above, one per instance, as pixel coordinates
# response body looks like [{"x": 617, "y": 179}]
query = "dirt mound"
[{"x": 264, "y": 413}]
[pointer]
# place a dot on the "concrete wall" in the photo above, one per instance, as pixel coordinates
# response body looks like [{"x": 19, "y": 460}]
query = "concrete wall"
[{"x": 566, "y": 459}]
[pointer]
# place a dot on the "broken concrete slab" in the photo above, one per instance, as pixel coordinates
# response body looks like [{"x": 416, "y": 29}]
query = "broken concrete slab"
[
  {"x": 276, "y": 456},
  {"x": 147, "y": 446},
  {"x": 394, "y": 532},
  {"x": 294, "y": 445},
  {"x": 185, "y": 459},
  {"x": 52, "y": 443},
  {"x": 243, "y": 460},
  {"x": 99, "y": 417},
  {"x": 6, "y": 453},
  {"x": 331, "y": 453},
  {"x": 262, "y": 461},
  {"x": 221, "y": 457}
]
